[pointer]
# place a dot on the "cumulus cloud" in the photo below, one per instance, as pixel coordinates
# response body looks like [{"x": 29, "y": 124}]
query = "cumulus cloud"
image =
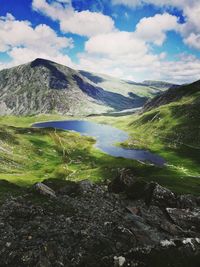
[
  {"x": 190, "y": 30},
  {"x": 129, "y": 55},
  {"x": 125, "y": 54},
  {"x": 193, "y": 40},
  {"x": 23, "y": 43},
  {"x": 174, "y": 3},
  {"x": 116, "y": 44},
  {"x": 24, "y": 55},
  {"x": 153, "y": 29},
  {"x": 84, "y": 23}
]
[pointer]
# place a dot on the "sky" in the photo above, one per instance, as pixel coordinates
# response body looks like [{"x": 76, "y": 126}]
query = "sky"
[{"x": 129, "y": 39}]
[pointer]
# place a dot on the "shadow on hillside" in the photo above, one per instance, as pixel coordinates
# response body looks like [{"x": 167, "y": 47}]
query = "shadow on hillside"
[
  {"x": 93, "y": 78},
  {"x": 113, "y": 100}
]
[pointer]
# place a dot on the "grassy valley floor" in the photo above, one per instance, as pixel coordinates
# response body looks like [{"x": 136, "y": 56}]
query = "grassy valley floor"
[{"x": 29, "y": 155}]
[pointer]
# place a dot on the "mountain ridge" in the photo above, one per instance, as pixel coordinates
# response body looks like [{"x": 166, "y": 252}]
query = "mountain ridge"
[{"x": 43, "y": 86}]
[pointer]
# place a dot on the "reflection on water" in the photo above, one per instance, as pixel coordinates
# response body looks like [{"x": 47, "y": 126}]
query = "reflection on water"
[{"x": 106, "y": 137}]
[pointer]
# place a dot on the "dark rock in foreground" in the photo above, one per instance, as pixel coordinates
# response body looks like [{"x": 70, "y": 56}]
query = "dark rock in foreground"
[{"x": 87, "y": 226}]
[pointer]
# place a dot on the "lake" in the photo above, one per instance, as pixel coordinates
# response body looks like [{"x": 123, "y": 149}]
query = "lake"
[{"x": 106, "y": 137}]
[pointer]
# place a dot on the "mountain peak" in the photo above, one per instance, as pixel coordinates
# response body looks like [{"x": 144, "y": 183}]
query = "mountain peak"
[{"x": 40, "y": 62}]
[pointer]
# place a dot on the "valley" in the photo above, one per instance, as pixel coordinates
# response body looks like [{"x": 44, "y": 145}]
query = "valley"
[{"x": 83, "y": 160}]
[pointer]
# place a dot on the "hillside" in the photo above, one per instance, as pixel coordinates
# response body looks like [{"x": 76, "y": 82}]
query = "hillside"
[
  {"x": 171, "y": 128},
  {"x": 43, "y": 86},
  {"x": 127, "y": 88},
  {"x": 160, "y": 85},
  {"x": 172, "y": 95},
  {"x": 173, "y": 116}
]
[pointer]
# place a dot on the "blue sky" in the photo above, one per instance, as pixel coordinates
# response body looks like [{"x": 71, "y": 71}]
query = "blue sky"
[{"x": 129, "y": 39}]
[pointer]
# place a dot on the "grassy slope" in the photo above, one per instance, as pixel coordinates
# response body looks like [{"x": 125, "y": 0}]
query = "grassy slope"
[
  {"x": 28, "y": 155},
  {"x": 173, "y": 131}
]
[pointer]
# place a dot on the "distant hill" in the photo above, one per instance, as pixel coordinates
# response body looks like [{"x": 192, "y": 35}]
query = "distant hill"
[
  {"x": 160, "y": 84},
  {"x": 128, "y": 88}
]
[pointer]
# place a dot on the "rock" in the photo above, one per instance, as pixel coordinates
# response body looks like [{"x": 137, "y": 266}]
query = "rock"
[
  {"x": 119, "y": 261},
  {"x": 186, "y": 219},
  {"x": 136, "y": 190},
  {"x": 86, "y": 185},
  {"x": 122, "y": 181},
  {"x": 160, "y": 196},
  {"x": 70, "y": 188},
  {"x": 87, "y": 226},
  {"x": 44, "y": 262},
  {"x": 44, "y": 190},
  {"x": 187, "y": 201}
]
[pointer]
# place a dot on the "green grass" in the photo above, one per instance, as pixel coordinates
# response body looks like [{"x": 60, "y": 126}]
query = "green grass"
[
  {"x": 172, "y": 131},
  {"x": 30, "y": 155}
]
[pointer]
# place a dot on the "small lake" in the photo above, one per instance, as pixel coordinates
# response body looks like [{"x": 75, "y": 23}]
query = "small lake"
[{"x": 106, "y": 137}]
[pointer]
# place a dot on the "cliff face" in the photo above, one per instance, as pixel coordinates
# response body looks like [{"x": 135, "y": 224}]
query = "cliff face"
[
  {"x": 43, "y": 86},
  {"x": 63, "y": 223}
]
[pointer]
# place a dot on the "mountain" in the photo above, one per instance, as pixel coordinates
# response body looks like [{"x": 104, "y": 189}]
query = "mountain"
[
  {"x": 172, "y": 117},
  {"x": 128, "y": 88},
  {"x": 173, "y": 94},
  {"x": 43, "y": 86},
  {"x": 160, "y": 85}
]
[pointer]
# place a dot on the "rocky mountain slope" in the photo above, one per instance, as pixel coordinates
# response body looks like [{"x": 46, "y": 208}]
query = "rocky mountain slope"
[
  {"x": 83, "y": 224},
  {"x": 43, "y": 86}
]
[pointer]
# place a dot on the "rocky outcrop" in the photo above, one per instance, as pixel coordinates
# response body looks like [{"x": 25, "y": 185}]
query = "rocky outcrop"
[{"x": 87, "y": 225}]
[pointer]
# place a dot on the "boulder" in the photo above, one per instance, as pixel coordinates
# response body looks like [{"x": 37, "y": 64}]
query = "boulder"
[
  {"x": 185, "y": 218},
  {"x": 136, "y": 190},
  {"x": 86, "y": 185},
  {"x": 44, "y": 190},
  {"x": 122, "y": 181},
  {"x": 70, "y": 188},
  {"x": 160, "y": 196},
  {"x": 187, "y": 202}
]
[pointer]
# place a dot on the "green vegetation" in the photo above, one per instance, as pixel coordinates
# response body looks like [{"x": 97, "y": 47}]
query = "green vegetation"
[
  {"x": 30, "y": 155},
  {"x": 172, "y": 131}
]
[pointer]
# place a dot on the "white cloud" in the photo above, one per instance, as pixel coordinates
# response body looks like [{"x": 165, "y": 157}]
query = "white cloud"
[
  {"x": 24, "y": 55},
  {"x": 87, "y": 23},
  {"x": 153, "y": 29},
  {"x": 23, "y": 43},
  {"x": 116, "y": 44},
  {"x": 84, "y": 23},
  {"x": 174, "y": 3},
  {"x": 20, "y": 33},
  {"x": 190, "y": 30},
  {"x": 128, "y": 54},
  {"x": 193, "y": 40}
]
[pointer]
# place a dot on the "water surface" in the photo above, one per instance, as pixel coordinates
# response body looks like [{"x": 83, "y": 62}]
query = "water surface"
[{"x": 106, "y": 138}]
